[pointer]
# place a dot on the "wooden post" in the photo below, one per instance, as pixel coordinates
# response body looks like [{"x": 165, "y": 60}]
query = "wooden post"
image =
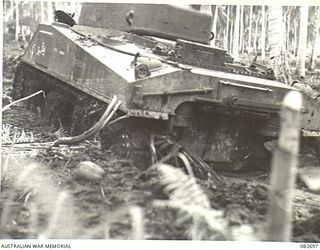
[{"x": 284, "y": 168}]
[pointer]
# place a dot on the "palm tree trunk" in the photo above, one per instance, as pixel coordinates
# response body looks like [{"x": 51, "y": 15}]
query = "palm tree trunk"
[
  {"x": 214, "y": 25},
  {"x": 287, "y": 42},
  {"x": 241, "y": 29},
  {"x": 301, "y": 54},
  {"x": 275, "y": 38},
  {"x": 296, "y": 26},
  {"x": 235, "y": 49},
  {"x": 42, "y": 12},
  {"x": 231, "y": 37},
  {"x": 206, "y": 9},
  {"x": 255, "y": 38},
  {"x": 250, "y": 28},
  {"x": 226, "y": 36},
  {"x": 32, "y": 17},
  {"x": 263, "y": 33},
  {"x": 316, "y": 41},
  {"x": 49, "y": 12},
  {"x": 17, "y": 30},
  {"x": 12, "y": 10}
]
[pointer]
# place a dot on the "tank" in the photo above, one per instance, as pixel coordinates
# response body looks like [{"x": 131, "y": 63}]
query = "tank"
[{"x": 157, "y": 60}]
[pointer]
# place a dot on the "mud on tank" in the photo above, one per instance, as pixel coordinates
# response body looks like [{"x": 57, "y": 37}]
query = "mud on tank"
[{"x": 157, "y": 60}]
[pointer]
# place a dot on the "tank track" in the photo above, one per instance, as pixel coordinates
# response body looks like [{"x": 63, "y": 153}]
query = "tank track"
[
  {"x": 131, "y": 139},
  {"x": 75, "y": 111}
]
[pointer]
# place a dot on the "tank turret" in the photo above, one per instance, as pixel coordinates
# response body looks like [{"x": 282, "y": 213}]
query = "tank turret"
[{"x": 165, "y": 21}]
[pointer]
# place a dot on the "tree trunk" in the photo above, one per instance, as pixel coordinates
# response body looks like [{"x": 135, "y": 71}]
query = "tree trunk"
[
  {"x": 275, "y": 37},
  {"x": 263, "y": 33},
  {"x": 12, "y": 9},
  {"x": 241, "y": 28},
  {"x": 231, "y": 36},
  {"x": 287, "y": 22},
  {"x": 49, "y": 12},
  {"x": 214, "y": 25},
  {"x": 316, "y": 41},
  {"x": 7, "y": 17},
  {"x": 42, "y": 12},
  {"x": 250, "y": 28},
  {"x": 206, "y": 9},
  {"x": 226, "y": 36},
  {"x": 235, "y": 49},
  {"x": 32, "y": 19},
  {"x": 296, "y": 41},
  {"x": 17, "y": 20},
  {"x": 301, "y": 54},
  {"x": 255, "y": 38}
]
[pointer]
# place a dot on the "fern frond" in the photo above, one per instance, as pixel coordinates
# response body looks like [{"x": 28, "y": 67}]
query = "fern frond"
[
  {"x": 179, "y": 187},
  {"x": 199, "y": 215},
  {"x": 137, "y": 221},
  {"x": 192, "y": 204}
]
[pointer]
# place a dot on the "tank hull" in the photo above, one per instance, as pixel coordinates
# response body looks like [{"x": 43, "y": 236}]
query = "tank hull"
[{"x": 219, "y": 110}]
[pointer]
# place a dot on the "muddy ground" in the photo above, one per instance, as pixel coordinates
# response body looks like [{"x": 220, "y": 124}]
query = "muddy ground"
[{"x": 44, "y": 196}]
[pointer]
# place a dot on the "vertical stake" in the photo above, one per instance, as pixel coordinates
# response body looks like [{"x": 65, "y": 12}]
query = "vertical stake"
[{"x": 284, "y": 169}]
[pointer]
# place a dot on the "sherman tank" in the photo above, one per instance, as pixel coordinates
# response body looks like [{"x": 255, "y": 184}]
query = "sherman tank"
[{"x": 157, "y": 60}]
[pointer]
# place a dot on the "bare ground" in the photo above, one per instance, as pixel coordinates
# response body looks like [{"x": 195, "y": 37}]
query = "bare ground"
[{"x": 98, "y": 209}]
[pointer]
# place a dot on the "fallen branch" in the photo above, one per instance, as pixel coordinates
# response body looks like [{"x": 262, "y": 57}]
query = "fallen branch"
[
  {"x": 105, "y": 118},
  {"x": 200, "y": 169},
  {"x": 22, "y": 99},
  {"x": 118, "y": 119}
]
